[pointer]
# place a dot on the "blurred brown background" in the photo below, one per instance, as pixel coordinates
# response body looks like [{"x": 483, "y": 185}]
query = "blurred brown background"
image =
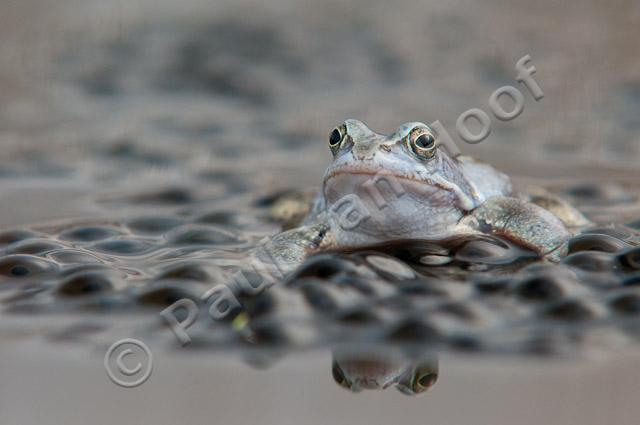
[{"x": 80, "y": 73}]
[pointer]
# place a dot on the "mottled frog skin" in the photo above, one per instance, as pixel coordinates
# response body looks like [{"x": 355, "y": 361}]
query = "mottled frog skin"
[{"x": 404, "y": 185}]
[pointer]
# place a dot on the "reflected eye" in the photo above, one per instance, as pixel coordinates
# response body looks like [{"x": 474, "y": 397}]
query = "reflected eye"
[
  {"x": 335, "y": 138},
  {"x": 422, "y": 142},
  {"x": 422, "y": 377},
  {"x": 425, "y": 381}
]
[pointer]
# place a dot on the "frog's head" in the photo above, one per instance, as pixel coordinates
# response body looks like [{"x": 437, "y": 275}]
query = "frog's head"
[
  {"x": 405, "y": 183},
  {"x": 374, "y": 370}
]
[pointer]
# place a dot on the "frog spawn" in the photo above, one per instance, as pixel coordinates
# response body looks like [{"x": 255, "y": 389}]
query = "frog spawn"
[{"x": 468, "y": 293}]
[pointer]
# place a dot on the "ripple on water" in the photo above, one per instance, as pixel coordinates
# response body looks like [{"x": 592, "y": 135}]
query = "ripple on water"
[
  {"x": 625, "y": 303},
  {"x": 224, "y": 218},
  {"x": 168, "y": 196},
  {"x": 596, "y": 242},
  {"x": 89, "y": 282},
  {"x": 489, "y": 251},
  {"x": 422, "y": 287},
  {"x": 632, "y": 279},
  {"x": 357, "y": 315},
  {"x": 600, "y": 193},
  {"x": 154, "y": 225},
  {"x": 413, "y": 329},
  {"x": 187, "y": 271},
  {"x": 620, "y": 232},
  {"x": 630, "y": 258},
  {"x": 328, "y": 266},
  {"x": 494, "y": 285},
  {"x": 72, "y": 256},
  {"x": 592, "y": 261},
  {"x": 33, "y": 246},
  {"x": 389, "y": 267},
  {"x": 13, "y": 236},
  {"x": 262, "y": 304},
  {"x": 435, "y": 260},
  {"x": 191, "y": 234},
  {"x": 23, "y": 266},
  {"x": 569, "y": 310},
  {"x": 163, "y": 294},
  {"x": 122, "y": 247},
  {"x": 318, "y": 296},
  {"x": 540, "y": 288},
  {"x": 89, "y": 233},
  {"x": 457, "y": 309}
]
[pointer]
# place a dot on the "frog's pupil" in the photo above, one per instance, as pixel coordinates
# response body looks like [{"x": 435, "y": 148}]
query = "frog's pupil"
[
  {"x": 335, "y": 137},
  {"x": 427, "y": 380},
  {"x": 425, "y": 141}
]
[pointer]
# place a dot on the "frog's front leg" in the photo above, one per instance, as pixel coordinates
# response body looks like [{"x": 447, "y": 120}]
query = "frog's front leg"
[
  {"x": 524, "y": 223},
  {"x": 287, "y": 250}
]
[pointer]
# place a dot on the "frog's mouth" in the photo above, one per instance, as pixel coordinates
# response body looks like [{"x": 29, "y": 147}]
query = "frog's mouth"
[
  {"x": 368, "y": 171},
  {"x": 370, "y": 379},
  {"x": 369, "y": 180},
  {"x": 371, "y": 204},
  {"x": 375, "y": 179},
  {"x": 370, "y": 373}
]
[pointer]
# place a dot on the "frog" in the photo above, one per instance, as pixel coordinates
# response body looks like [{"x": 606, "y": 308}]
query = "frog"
[
  {"x": 406, "y": 186},
  {"x": 378, "y": 368}
]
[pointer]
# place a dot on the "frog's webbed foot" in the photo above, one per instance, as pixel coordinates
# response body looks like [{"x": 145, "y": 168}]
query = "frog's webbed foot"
[
  {"x": 569, "y": 215},
  {"x": 287, "y": 250},
  {"x": 524, "y": 223}
]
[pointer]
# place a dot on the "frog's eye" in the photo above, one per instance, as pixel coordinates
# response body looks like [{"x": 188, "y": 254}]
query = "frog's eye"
[
  {"x": 423, "y": 377},
  {"x": 335, "y": 138},
  {"x": 424, "y": 380},
  {"x": 422, "y": 142}
]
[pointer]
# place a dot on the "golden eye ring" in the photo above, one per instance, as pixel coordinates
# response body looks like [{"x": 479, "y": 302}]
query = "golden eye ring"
[{"x": 422, "y": 142}]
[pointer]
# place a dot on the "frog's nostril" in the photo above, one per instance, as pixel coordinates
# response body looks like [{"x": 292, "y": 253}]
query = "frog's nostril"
[{"x": 365, "y": 145}]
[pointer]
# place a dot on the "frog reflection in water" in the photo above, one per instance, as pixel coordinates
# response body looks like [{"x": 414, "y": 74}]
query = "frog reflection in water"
[
  {"x": 427, "y": 194},
  {"x": 360, "y": 369}
]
